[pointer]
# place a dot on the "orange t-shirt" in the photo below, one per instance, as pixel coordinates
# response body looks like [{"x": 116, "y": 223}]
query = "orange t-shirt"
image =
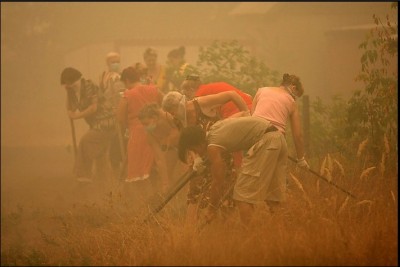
[{"x": 229, "y": 108}]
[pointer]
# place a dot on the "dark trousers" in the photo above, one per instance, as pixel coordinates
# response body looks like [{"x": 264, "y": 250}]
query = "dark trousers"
[{"x": 93, "y": 148}]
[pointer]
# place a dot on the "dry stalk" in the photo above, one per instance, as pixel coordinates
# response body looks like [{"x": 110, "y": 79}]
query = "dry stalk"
[
  {"x": 300, "y": 186},
  {"x": 330, "y": 164},
  {"x": 366, "y": 172},
  {"x": 340, "y": 167},
  {"x": 361, "y": 147},
  {"x": 322, "y": 170},
  {"x": 328, "y": 174},
  {"x": 369, "y": 202},
  {"x": 386, "y": 141},
  {"x": 382, "y": 164},
  {"x": 393, "y": 197},
  {"x": 343, "y": 205}
]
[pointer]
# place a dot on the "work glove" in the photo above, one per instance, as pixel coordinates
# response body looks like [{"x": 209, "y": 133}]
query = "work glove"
[
  {"x": 302, "y": 163},
  {"x": 199, "y": 165}
]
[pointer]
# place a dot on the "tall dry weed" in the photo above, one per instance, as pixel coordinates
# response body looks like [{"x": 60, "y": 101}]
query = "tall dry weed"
[
  {"x": 343, "y": 206},
  {"x": 393, "y": 197},
  {"x": 330, "y": 163},
  {"x": 330, "y": 230},
  {"x": 328, "y": 174},
  {"x": 382, "y": 164},
  {"x": 322, "y": 169},
  {"x": 361, "y": 147},
  {"x": 340, "y": 166},
  {"x": 300, "y": 186},
  {"x": 366, "y": 172},
  {"x": 365, "y": 202},
  {"x": 328, "y": 167},
  {"x": 386, "y": 144}
]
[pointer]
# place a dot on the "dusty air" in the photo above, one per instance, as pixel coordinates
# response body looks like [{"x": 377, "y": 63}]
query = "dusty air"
[{"x": 199, "y": 133}]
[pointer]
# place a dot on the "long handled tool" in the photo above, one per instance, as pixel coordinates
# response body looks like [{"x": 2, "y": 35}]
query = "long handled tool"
[
  {"x": 73, "y": 137},
  {"x": 326, "y": 180},
  {"x": 123, "y": 169},
  {"x": 182, "y": 182},
  {"x": 124, "y": 158}
]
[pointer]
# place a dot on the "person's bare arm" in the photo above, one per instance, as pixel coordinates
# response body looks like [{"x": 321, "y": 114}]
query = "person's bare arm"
[
  {"x": 217, "y": 100},
  {"x": 218, "y": 172},
  {"x": 160, "y": 161},
  {"x": 297, "y": 132},
  {"x": 76, "y": 114},
  {"x": 173, "y": 137},
  {"x": 67, "y": 104}
]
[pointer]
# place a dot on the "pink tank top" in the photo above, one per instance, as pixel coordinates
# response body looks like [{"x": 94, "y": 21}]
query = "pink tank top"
[{"x": 274, "y": 105}]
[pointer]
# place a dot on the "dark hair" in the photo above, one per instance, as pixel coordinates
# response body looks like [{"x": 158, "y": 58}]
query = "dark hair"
[
  {"x": 149, "y": 52},
  {"x": 70, "y": 75},
  {"x": 191, "y": 82},
  {"x": 294, "y": 80},
  {"x": 141, "y": 68},
  {"x": 131, "y": 74},
  {"x": 189, "y": 137},
  {"x": 178, "y": 52},
  {"x": 149, "y": 110}
]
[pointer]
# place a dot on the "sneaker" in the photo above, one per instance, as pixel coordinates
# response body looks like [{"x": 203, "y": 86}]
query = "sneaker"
[
  {"x": 134, "y": 179},
  {"x": 130, "y": 180},
  {"x": 84, "y": 180}
]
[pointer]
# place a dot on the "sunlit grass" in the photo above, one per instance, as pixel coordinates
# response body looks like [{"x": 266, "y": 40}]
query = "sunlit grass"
[{"x": 318, "y": 225}]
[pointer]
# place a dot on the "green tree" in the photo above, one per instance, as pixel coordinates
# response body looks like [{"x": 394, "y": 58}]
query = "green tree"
[
  {"x": 327, "y": 126},
  {"x": 230, "y": 62},
  {"x": 372, "y": 112}
]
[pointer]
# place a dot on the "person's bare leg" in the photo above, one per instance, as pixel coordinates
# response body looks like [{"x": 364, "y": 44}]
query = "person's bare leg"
[{"x": 246, "y": 211}]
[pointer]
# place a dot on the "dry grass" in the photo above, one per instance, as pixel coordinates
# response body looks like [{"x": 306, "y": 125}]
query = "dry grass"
[
  {"x": 315, "y": 227},
  {"x": 361, "y": 147},
  {"x": 366, "y": 172}
]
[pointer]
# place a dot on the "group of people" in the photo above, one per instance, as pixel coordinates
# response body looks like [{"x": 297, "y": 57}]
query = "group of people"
[{"x": 234, "y": 143}]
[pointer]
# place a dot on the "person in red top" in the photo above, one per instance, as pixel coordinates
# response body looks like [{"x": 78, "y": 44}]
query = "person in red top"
[
  {"x": 141, "y": 153},
  {"x": 192, "y": 87}
]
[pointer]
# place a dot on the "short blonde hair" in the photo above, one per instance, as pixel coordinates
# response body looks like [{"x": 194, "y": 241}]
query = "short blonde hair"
[{"x": 171, "y": 100}]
